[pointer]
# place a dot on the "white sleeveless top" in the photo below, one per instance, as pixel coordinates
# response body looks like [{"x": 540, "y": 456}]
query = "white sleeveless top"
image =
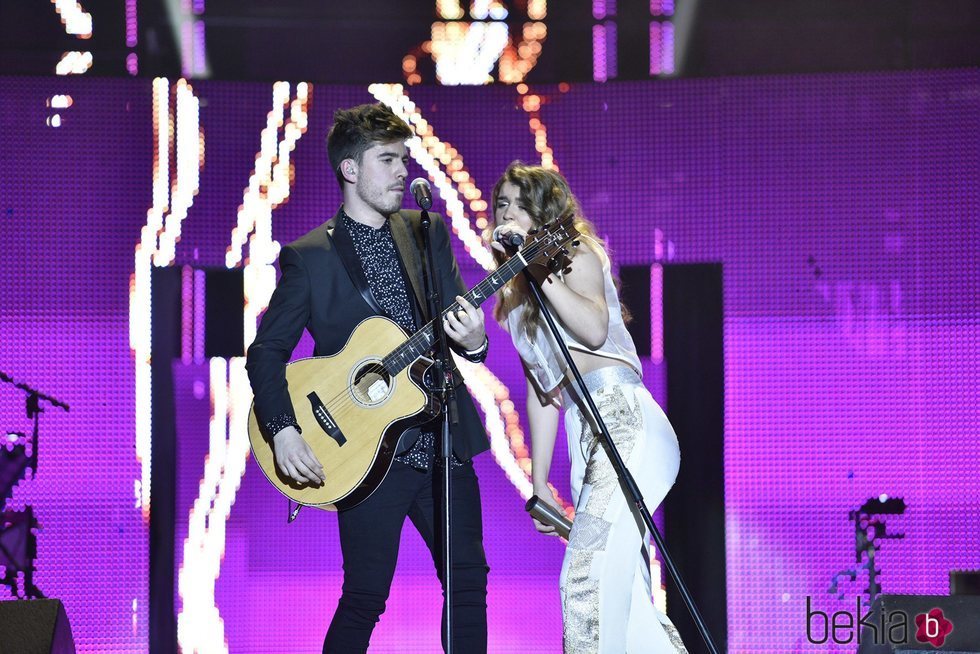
[{"x": 541, "y": 354}]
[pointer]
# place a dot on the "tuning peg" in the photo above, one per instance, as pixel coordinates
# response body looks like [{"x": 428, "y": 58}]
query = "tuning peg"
[
  {"x": 564, "y": 251},
  {"x": 575, "y": 243}
]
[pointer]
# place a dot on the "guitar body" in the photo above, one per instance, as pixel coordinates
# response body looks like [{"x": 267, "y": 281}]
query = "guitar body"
[{"x": 352, "y": 413}]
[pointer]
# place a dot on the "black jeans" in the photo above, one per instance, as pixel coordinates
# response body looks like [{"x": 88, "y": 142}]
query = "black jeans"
[{"x": 370, "y": 534}]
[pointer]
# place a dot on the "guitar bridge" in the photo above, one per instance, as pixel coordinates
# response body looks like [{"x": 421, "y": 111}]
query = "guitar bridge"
[{"x": 325, "y": 420}]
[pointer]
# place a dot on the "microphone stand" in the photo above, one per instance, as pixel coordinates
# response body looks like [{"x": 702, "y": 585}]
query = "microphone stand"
[
  {"x": 34, "y": 410},
  {"x": 626, "y": 478},
  {"x": 448, "y": 414}
]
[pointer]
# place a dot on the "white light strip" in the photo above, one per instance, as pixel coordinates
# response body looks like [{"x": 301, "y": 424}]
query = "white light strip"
[
  {"x": 465, "y": 53},
  {"x": 451, "y": 9},
  {"x": 517, "y": 61},
  {"x": 189, "y": 142},
  {"x": 480, "y": 9},
  {"x": 60, "y": 101},
  {"x": 486, "y": 389},
  {"x": 656, "y": 583},
  {"x": 74, "y": 63},
  {"x": 537, "y": 9},
  {"x": 531, "y": 103},
  {"x": 157, "y": 246},
  {"x": 269, "y": 186},
  {"x": 199, "y": 624},
  {"x": 76, "y": 20},
  {"x": 139, "y": 291},
  {"x": 254, "y": 207}
]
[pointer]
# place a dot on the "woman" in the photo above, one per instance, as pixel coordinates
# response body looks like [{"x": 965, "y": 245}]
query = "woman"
[{"x": 605, "y": 577}]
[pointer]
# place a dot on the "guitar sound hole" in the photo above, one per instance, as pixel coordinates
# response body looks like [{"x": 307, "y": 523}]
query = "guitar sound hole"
[{"x": 372, "y": 384}]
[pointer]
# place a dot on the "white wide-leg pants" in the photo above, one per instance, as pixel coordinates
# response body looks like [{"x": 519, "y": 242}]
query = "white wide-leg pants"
[{"x": 605, "y": 578}]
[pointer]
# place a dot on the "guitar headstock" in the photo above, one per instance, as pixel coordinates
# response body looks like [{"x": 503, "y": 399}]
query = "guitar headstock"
[{"x": 549, "y": 245}]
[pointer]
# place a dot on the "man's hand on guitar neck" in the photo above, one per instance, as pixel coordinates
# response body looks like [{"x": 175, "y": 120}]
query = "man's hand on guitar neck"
[
  {"x": 466, "y": 325},
  {"x": 295, "y": 458}
]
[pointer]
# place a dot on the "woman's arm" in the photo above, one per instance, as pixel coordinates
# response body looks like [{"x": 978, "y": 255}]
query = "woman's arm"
[
  {"x": 579, "y": 298},
  {"x": 542, "y": 418}
]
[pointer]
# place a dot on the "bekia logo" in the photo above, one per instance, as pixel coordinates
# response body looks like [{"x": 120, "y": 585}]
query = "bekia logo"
[
  {"x": 892, "y": 627},
  {"x": 932, "y": 627}
]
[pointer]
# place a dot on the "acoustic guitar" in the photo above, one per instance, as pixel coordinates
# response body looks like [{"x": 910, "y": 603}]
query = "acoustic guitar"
[{"x": 353, "y": 406}]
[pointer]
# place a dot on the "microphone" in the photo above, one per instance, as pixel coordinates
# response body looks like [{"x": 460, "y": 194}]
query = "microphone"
[
  {"x": 511, "y": 240},
  {"x": 548, "y": 515},
  {"x": 422, "y": 192}
]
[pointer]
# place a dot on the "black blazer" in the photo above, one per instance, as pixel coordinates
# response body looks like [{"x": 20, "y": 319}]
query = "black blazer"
[{"x": 323, "y": 289}]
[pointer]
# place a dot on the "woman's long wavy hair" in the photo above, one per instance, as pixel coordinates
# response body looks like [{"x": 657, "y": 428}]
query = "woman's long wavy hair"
[{"x": 546, "y": 197}]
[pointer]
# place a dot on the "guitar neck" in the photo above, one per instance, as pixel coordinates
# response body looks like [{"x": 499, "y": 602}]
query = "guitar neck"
[{"x": 422, "y": 341}]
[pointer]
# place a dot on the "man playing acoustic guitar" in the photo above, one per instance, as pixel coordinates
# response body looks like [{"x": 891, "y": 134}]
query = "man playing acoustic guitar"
[{"x": 364, "y": 262}]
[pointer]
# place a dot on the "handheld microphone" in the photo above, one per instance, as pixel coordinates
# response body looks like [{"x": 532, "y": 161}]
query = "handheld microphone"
[
  {"x": 422, "y": 192},
  {"x": 549, "y": 515},
  {"x": 507, "y": 240}
]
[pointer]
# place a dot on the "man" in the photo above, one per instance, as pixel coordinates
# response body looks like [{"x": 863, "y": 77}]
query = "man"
[{"x": 366, "y": 261}]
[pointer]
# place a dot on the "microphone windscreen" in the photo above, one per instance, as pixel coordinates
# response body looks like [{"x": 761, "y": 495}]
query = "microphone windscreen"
[
  {"x": 419, "y": 183},
  {"x": 422, "y": 191}
]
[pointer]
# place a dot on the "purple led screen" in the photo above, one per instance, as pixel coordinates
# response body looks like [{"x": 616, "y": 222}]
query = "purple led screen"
[{"x": 844, "y": 209}]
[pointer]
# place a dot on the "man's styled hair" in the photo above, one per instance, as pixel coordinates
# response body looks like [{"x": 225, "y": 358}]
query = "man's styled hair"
[{"x": 357, "y": 129}]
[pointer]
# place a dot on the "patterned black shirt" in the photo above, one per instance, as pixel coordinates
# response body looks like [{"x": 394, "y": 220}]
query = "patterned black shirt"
[{"x": 382, "y": 267}]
